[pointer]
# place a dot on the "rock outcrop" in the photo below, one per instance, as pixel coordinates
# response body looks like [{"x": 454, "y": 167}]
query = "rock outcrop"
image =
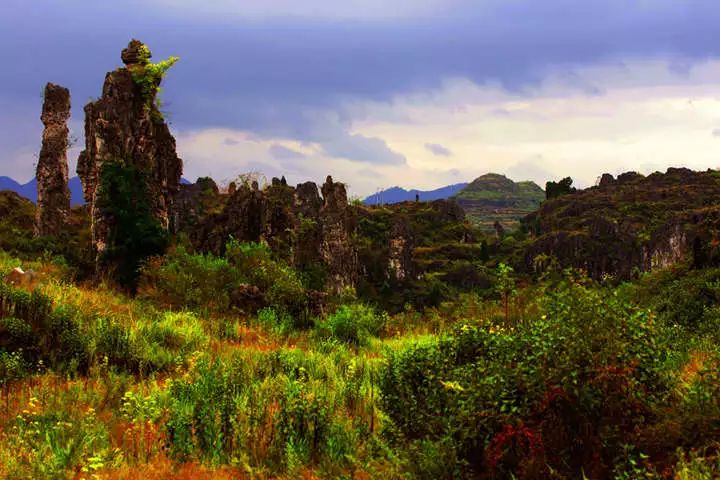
[
  {"x": 410, "y": 252},
  {"x": 405, "y": 252},
  {"x": 125, "y": 125},
  {"x": 337, "y": 224},
  {"x": 631, "y": 224},
  {"x": 311, "y": 233},
  {"x": 53, "y": 193}
]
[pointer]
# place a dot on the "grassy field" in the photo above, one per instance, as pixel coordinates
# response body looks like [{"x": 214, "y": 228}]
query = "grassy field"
[{"x": 573, "y": 378}]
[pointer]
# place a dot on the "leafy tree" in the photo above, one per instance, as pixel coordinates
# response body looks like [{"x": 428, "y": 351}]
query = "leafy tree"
[
  {"x": 556, "y": 189},
  {"x": 505, "y": 286},
  {"x": 134, "y": 234}
]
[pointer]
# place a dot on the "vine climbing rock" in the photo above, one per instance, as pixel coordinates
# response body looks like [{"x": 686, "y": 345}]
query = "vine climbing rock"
[
  {"x": 53, "y": 193},
  {"x": 124, "y": 125}
]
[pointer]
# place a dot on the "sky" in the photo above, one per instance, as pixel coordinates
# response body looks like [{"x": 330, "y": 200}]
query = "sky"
[{"x": 413, "y": 93}]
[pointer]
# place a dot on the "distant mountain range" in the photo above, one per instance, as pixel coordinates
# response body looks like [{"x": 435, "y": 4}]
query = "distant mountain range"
[
  {"x": 397, "y": 194},
  {"x": 29, "y": 189},
  {"x": 488, "y": 198}
]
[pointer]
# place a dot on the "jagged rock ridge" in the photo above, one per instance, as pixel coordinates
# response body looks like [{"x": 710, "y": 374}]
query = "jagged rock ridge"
[
  {"x": 309, "y": 232},
  {"x": 630, "y": 224}
]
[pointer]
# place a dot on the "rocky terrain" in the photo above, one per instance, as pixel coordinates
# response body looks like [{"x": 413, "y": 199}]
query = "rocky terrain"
[
  {"x": 169, "y": 330},
  {"x": 631, "y": 223},
  {"x": 412, "y": 251}
]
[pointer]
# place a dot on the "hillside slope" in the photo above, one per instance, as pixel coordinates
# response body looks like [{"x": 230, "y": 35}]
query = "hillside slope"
[
  {"x": 632, "y": 223},
  {"x": 493, "y": 197}
]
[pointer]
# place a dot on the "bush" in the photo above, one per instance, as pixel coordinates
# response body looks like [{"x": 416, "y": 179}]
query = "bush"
[
  {"x": 156, "y": 344},
  {"x": 574, "y": 384},
  {"x": 199, "y": 282},
  {"x": 281, "y": 285},
  {"x": 206, "y": 282},
  {"x": 354, "y": 324},
  {"x": 31, "y": 326}
]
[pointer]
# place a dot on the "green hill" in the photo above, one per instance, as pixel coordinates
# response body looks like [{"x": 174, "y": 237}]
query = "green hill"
[{"x": 494, "y": 197}]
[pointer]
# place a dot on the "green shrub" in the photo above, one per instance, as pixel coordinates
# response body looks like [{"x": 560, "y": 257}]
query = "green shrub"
[
  {"x": 354, "y": 324},
  {"x": 51, "y": 444},
  {"x": 209, "y": 283},
  {"x": 281, "y": 285},
  {"x": 31, "y": 325},
  {"x": 12, "y": 367},
  {"x": 586, "y": 369},
  {"x": 191, "y": 281},
  {"x": 303, "y": 423},
  {"x": 134, "y": 234},
  {"x": 156, "y": 344}
]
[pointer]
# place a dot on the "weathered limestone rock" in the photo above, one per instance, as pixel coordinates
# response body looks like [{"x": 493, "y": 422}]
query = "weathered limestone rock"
[
  {"x": 606, "y": 180},
  {"x": 53, "y": 200},
  {"x": 136, "y": 53},
  {"x": 401, "y": 246},
  {"x": 631, "y": 224},
  {"x": 337, "y": 224},
  {"x": 311, "y": 233},
  {"x": 192, "y": 206},
  {"x": 307, "y": 210},
  {"x": 499, "y": 230},
  {"x": 280, "y": 220},
  {"x": 243, "y": 217},
  {"x": 124, "y": 125}
]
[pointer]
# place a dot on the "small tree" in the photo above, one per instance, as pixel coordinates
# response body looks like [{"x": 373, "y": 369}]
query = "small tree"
[
  {"x": 505, "y": 286},
  {"x": 556, "y": 189}
]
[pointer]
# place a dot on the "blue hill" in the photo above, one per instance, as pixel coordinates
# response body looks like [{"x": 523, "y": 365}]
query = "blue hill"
[
  {"x": 29, "y": 189},
  {"x": 398, "y": 194}
]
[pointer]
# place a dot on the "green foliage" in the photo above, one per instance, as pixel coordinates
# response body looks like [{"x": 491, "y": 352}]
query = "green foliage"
[
  {"x": 278, "y": 410},
  {"x": 32, "y": 328},
  {"x": 505, "y": 286},
  {"x": 354, "y": 324},
  {"x": 585, "y": 353},
  {"x": 134, "y": 234},
  {"x": 155, "y": 345},
  {"x": 56, "y": 443},
  {"x": 561, "y": 187},
  {"x": 194, "y": 281},
  {"x": 688, "y": 298},
  {"x": 280, "y": 284},
  {"x": 148, "y": 76},
  {"x": 209, "y": 283}
]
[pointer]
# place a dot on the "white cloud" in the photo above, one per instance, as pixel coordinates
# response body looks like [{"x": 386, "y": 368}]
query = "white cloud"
[
  {"x": 558, "y": 128},
  {"x": 552, "y": 131}
]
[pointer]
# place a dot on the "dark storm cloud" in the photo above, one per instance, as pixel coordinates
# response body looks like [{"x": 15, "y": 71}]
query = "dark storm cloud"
[
  {"x": 280, "y": 76},
  {"x": 438, "y": 150}
]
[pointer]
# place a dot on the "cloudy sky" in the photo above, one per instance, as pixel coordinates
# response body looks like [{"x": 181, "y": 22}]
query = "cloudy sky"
[{"x": 419, "y": 94}]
